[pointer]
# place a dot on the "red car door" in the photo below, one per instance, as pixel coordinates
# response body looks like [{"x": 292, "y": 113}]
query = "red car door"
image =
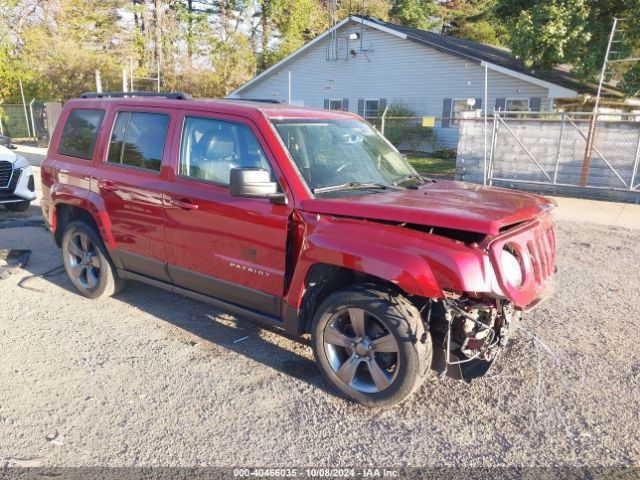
[
  {"x": 223, "y": 246},
  {"x": 130, "y": 181}
]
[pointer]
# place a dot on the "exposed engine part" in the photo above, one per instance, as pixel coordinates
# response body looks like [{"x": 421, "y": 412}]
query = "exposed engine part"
[
  {"x": 477, "y": 331},
  {"x": 473, "y": 335}
]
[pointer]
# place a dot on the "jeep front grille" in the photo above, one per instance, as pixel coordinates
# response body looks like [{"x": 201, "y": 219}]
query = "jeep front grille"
[
  {"x": 6, "y": 169},
  {"x": 542, "y": 249},
  {"x": 534, "y": 243}
]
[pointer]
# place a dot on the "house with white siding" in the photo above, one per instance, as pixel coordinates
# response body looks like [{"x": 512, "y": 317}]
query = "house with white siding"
[{"x": 364, "y": 64}]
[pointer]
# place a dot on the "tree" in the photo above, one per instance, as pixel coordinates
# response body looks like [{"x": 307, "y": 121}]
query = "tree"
[
  {"x": 287, "y": 25},
  {"x": 547, "y": 33},
  {"x": 473, "y": 20},
  {"x": 414, "y": 13},
  {"x": 297, "y": 22},
  {"x": 370, "y": 8},
  {"x": 65, "y": 43}
]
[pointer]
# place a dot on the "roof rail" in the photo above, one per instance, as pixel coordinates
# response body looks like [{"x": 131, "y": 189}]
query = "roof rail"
[
  {"x": 169, "y": 95},
  {"x": 261, "y": 100}
]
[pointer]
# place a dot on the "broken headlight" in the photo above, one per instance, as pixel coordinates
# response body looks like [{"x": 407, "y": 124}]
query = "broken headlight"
[{"x": 511, "y": 269}]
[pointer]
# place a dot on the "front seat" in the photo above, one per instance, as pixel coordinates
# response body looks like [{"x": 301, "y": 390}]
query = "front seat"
[{"x": 216, "y": 155}]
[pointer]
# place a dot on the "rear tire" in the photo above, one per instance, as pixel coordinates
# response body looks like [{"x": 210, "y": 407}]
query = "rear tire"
[
  {"x": 368, "y": 343},
  {"x": 87, "y": 262},
  {"x": 18, "y": 206}
]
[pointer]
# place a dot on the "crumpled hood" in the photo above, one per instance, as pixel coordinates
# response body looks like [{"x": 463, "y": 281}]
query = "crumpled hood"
[{"x": 445, "y": 204}]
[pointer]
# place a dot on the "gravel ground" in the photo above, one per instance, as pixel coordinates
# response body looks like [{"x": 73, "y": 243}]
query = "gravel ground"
[{"x": 153, "y": 379}]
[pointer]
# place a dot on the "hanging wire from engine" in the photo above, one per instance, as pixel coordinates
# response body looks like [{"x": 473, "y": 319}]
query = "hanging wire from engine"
[
  {"x": 552, "y": 354},
  {"x": 492, "y": 341}
]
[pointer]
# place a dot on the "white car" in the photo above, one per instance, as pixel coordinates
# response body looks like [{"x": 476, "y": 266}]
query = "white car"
[{"x": 17, "y": 185}]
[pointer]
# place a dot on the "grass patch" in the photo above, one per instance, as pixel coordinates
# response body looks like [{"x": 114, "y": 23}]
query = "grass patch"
[{"x": 433, "y": 166}]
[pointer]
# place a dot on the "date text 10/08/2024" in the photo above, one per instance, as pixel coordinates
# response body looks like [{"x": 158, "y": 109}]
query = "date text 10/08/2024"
[{"x": 315, "y": 473}]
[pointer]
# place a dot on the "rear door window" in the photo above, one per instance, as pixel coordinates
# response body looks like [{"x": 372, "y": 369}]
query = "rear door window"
[
  {"x": 137, "y": 139},
  {"x": 80, "y": 133}
]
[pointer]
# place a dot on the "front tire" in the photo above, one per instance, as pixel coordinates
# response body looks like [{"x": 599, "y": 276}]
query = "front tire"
[
  {"x": 87, "y": 263},
  {"x": 18, "y": 206},
  {"x": 370, "y": 345}
]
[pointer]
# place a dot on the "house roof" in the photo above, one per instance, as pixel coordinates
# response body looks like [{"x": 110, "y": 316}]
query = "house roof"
[
  {"x": 559, "y": 82},
  {"x": 478, "y": 52}
]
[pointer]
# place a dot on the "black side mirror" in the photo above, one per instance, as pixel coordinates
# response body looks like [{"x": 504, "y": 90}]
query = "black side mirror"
[{"x": 254, "y": 183}]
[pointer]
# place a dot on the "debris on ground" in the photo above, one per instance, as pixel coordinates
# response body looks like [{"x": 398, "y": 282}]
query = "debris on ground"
[{"x": 12, "y": 260}]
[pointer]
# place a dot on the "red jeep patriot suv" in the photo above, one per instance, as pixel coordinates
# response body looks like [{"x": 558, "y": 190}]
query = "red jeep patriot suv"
[{"x": 303, "y": 219}]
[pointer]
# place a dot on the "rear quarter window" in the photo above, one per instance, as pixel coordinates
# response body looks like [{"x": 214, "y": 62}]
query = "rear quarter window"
[{"x": 80, "y": 133}]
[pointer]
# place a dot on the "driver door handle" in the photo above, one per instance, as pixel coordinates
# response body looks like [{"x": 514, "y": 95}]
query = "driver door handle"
[{"x": 184, "y": 203}]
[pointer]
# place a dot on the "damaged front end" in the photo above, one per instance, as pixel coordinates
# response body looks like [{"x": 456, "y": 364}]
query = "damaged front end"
[
  {"x": 468, "y": 334},
  {"x": 468, "y": 331}
]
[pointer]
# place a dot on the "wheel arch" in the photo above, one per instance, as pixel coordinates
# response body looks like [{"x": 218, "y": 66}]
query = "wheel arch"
[
  {"x": 71, "y": 204},
  {"x": 324, "y": 279}
]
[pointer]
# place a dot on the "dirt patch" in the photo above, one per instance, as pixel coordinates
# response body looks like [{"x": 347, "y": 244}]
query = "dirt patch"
[{"x": 151, "y": 378}]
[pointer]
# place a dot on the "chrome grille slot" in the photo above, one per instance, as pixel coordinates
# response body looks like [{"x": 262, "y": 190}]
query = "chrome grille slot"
[
  {"x": 542, "y": 250},
  {"x": 535, "y": 260},
  {"x": 544, "y": 259}
]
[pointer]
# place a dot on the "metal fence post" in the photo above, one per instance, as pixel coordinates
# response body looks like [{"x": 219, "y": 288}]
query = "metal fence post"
[
  {"x": 382, "y": 120},
  {"x": 33, "y": 122},
  {"x": 635, "y": 165},
  {"x": 1, "y": 127},
  {"x": 488, "y": 174},
  {"x": 555, "y": 170},
  {"x": 24, "y": 107}
]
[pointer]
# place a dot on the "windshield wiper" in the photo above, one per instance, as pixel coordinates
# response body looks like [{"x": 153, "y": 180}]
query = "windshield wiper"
[
  {"x": 411, "y": 176},
  {"x": 355, "y": 186}
]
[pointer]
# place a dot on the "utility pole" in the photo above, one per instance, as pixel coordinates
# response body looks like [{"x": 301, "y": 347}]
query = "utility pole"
[
  {"x": 584, "y": 177},
  {"x": 158, "y": 33},
  {"x": 98, "y": 82},
  {"x": 131, "y": 75}
]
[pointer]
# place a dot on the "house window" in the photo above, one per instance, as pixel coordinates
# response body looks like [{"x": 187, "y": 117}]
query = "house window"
[
  {"x": 335, "y": 104},
  {"x": 458, "y": 105},
  {"x": 372, "y": 108},
  {"x": 517, "y": 105}
]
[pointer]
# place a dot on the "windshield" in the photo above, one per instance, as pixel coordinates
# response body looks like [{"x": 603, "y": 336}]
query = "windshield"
[{"x": 332, "y": 153}]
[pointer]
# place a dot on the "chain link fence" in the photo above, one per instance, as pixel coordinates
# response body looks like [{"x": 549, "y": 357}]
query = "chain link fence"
[
  {"x": 548, "y": 152},
  {"x": 429, "y": 142},
  {"x": 15, "y": 123},
  {"x": 33, "y": 121}
]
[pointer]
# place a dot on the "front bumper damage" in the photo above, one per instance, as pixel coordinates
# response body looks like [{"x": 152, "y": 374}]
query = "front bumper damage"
[
  {"x": 469, "y": 331},
  {"x": 468, "y": 335}
]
